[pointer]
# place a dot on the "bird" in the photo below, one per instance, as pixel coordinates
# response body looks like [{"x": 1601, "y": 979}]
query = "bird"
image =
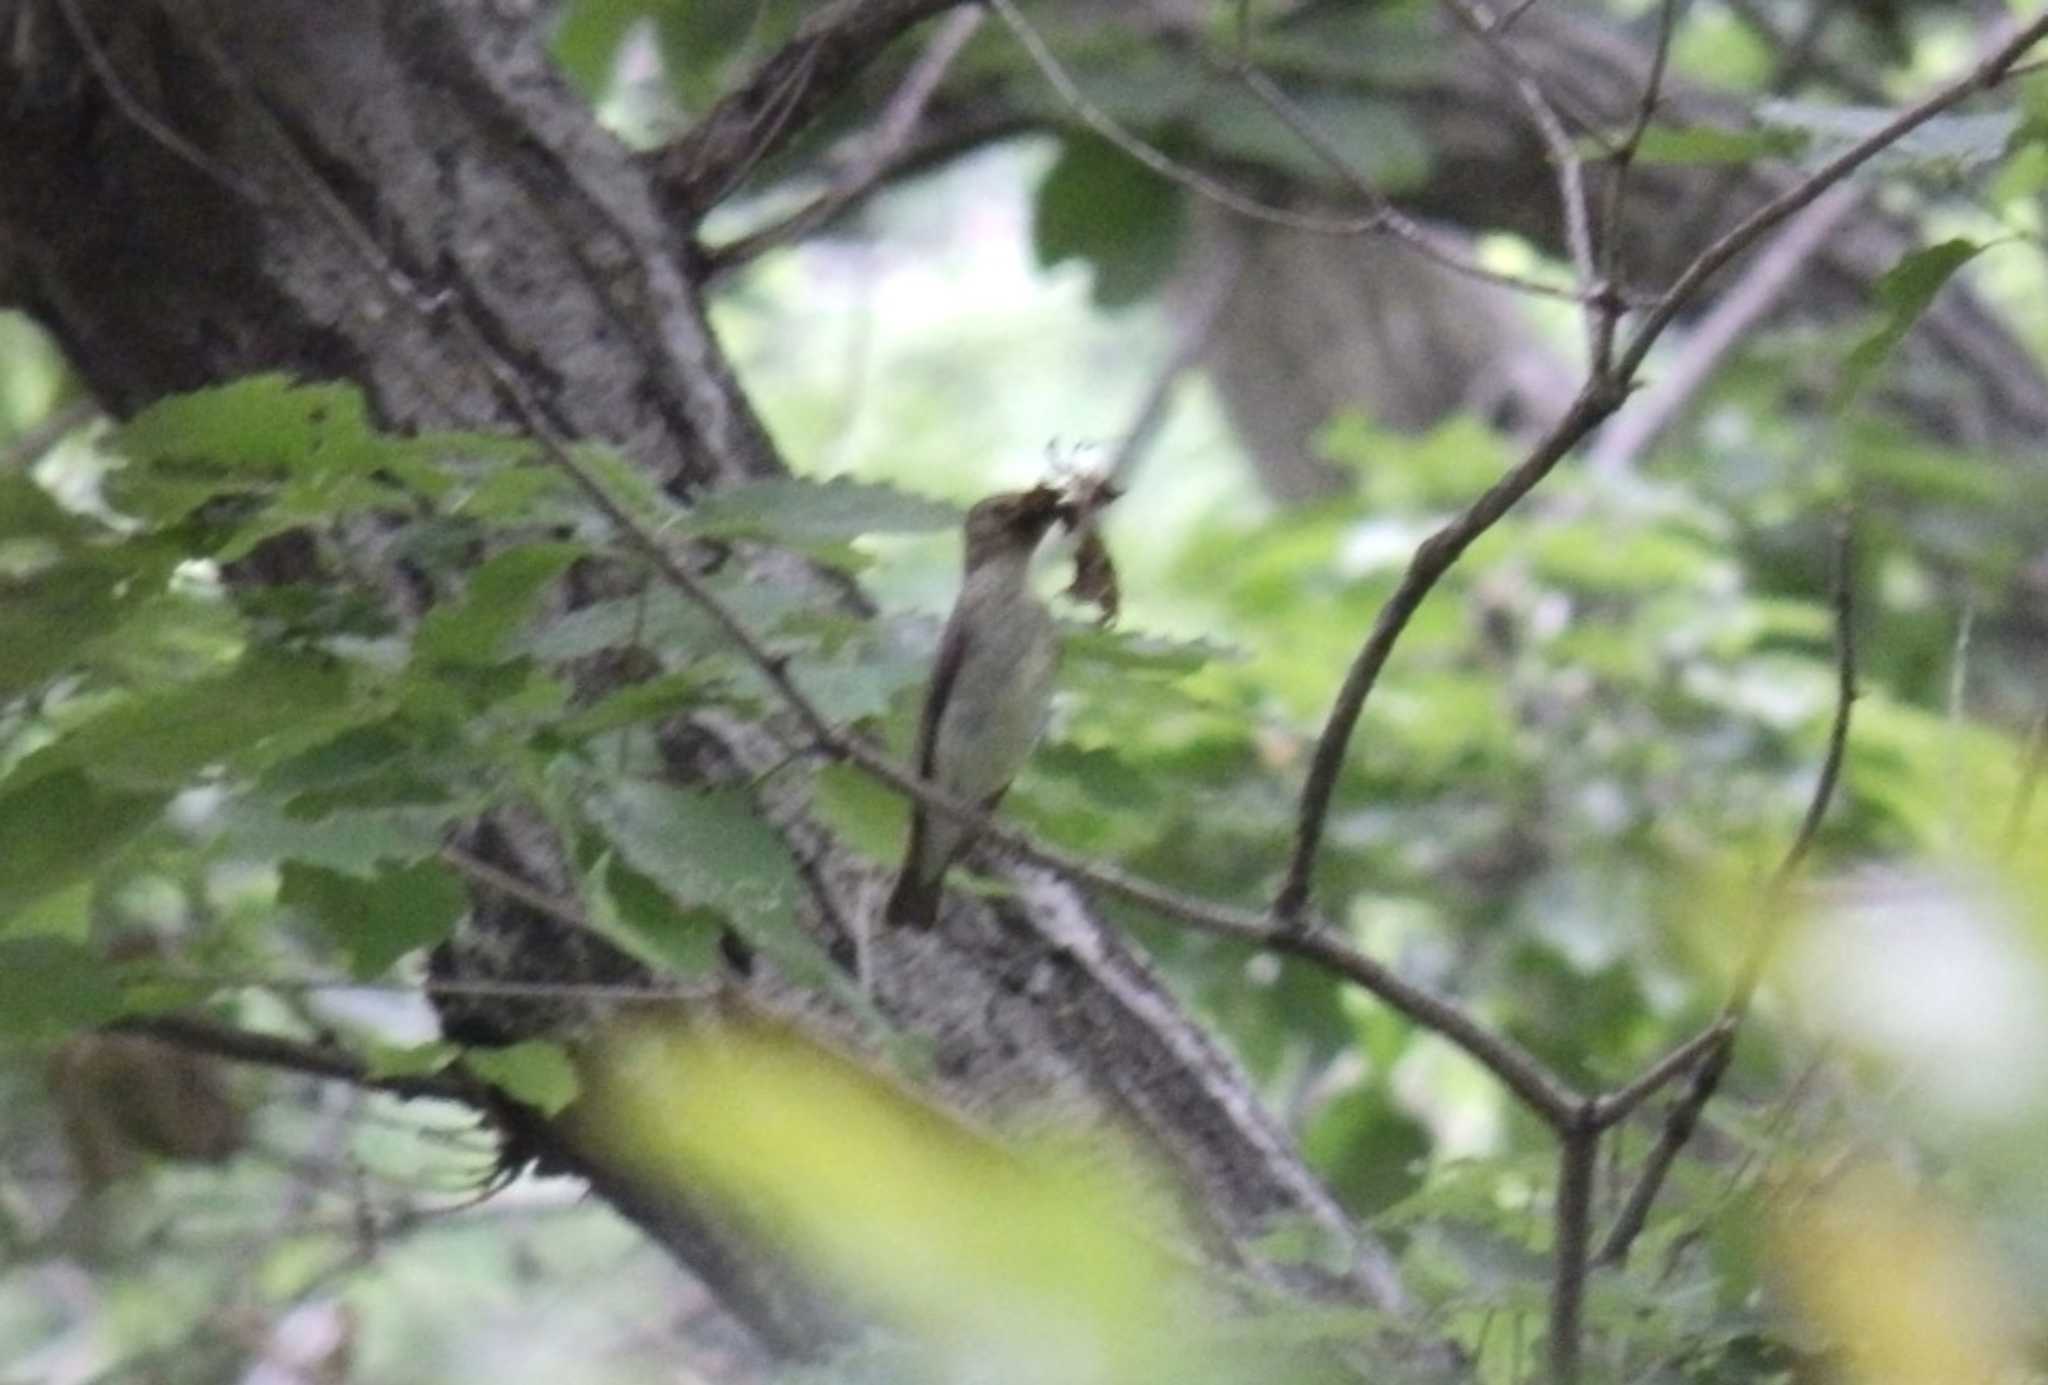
[{"x": 990, "y": 689}]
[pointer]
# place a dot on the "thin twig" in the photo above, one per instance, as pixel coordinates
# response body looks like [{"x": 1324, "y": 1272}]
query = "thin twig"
[
  {"x": 1578, "y": 1155},
  {"x": 1393, "y": 222},
  {"x": 1373, "y": 222},
  {"x": 1619, "y": 165},
  {"x": 1631, "y": 434},
  {"x": 293, "y": 1055},
  {"x": 124, "y": 99},
  {"x": 1565, "y": 164},
  {"x": 1432, "y": 559},
  {"x": 1679, "y": 1123},
  {"x": 1615, "y": 1106},
  {"x": 1985, "y": 76},
  {"x": 878, "y": 149},
  {"x": 1684, "y": 1116},
  {"x": 482, "y": 872},
  {"x": 1597, "y": 400}
]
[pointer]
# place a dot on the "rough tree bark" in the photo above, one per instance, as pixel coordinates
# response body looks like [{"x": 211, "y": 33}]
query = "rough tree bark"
[{"x": 403, "y": 193}]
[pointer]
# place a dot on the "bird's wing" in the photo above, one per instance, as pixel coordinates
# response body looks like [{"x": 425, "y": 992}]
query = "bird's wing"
[{"x": 945, "y": 673}]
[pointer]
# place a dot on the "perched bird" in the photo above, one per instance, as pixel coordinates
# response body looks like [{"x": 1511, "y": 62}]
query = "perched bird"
[{"x": 991, "y": 686}]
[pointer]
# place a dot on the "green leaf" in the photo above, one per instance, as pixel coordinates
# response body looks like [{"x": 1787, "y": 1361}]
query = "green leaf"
[
  {"x": 61, "y": 590},
  {"x": 1948, "y": 143},
  {"x": 61, "y": 828},
  {"x": 533, "y": 1071},
  {"x": 305, "y": 452},
  {"x": 1696, "y": 145},
  {"x": 1124, "y": 652},
  {"x": 262, "y": 829},
  {"x": 377, "y": 921},
  {"x": 712, "y": 851},
  {"x": 498, "y": 604},
  {"x": 654, "y": 700},
  {"x": 236, "y": 718},
  {"x": 635, "y": 913},
  {"x": 707, "y": 849},
  {"x": 1905, "y": 291},
  {"x": 408, "y": 1060},
  {"x": 1099, "y": 205},
  {"x": 861, "y": 811},
  {"x": 49, "y": 987},
  {"x": 800, "y": 513}
]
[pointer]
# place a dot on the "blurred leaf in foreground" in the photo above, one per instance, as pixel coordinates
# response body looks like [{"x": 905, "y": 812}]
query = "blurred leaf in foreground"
[{"x": 1006, "y": 1265}]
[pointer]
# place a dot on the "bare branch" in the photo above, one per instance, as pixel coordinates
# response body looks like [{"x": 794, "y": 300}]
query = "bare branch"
[
  {"x": 1433, "y": 558},
  {"x": 1601, "y": 396},
  {"x": 1684, "y": 1115},
  {"x": 1615, "y": 1107},
  {"x": 1564, "y": 163},
  {"x": 878, "y": 150},
  {"x": 1632, "y": 433},
  {"x": 1550, "y": 1098},
  {"x": 1404, "y": 229},
  {"x": 1578, "y": 1155},
  {"x": 1620, "y": 164},
  {"x": 293, "y": 1055},
  {"x": 1679, "y": 1124},
  {"x": 1985, "y": 76},
  {"x": 1380, "y": 220}
]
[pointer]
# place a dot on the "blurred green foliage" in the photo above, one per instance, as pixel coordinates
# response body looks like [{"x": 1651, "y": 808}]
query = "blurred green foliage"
[{"x": 1593, "y": 743}]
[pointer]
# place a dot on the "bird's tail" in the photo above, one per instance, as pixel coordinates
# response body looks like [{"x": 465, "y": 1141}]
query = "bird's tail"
[{"x": 914, "y": 903}]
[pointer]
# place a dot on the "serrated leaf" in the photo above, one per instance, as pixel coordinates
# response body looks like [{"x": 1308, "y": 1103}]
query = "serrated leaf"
[
  {"x": 497, "y": 605},
  {"x": 654, "y": 700},
  {"x": 234, "y": 718},
  {"x": 634, "y": 912},
  {"x": 711, "y": 850},
  {"x": 1099, "y": 205},
  {"x": 62, "y": 827},
  {"x": 61, "y": 591},
  {"x": 708, "y": 848},
  {"x": 375, "y": 922},
  {"x": 1905, "y": 291},
  {"x": 49, "y": 987},
  {"x": 311, "y": 450},
  {"x": 533, "y": 1071},
  {"x": 262, "y": 829}
]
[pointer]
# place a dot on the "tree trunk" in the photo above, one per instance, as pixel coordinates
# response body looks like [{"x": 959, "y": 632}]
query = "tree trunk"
[{"x": 403, "y": 193}]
